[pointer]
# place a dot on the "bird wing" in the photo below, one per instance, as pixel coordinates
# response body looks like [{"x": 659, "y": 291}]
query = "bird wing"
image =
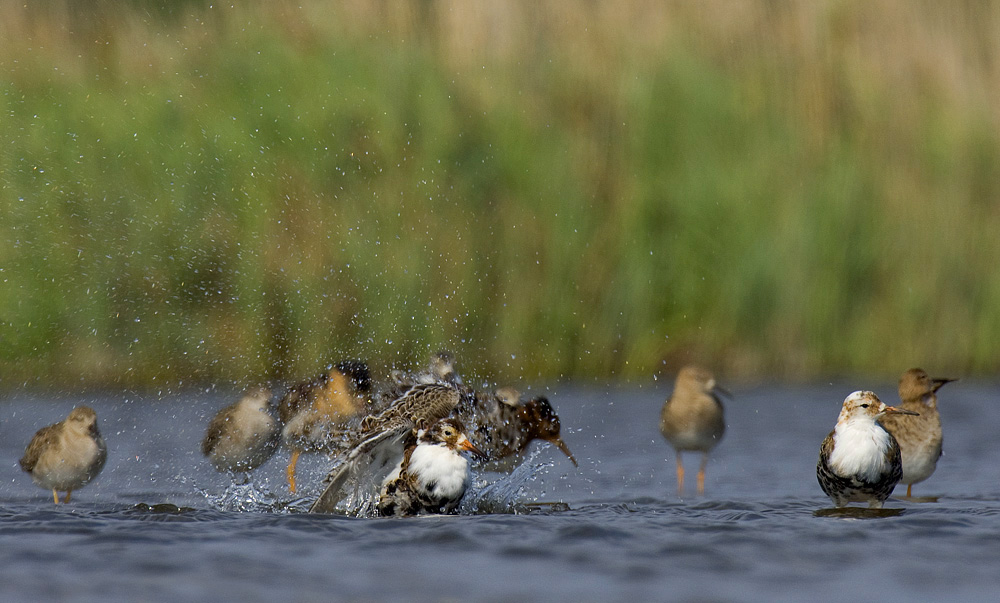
[
  {"x": 425, "y": 402},
  {"x": 366, "y": 462},
  {"x": 826, "y": 449},
  {"x": 895, "y": 459},
  {"x": 828, "y": 480},
  {"x": 381, "y": 442},
  {"x": 215, "y": 430},
  {"x": 38, "y": 444}
]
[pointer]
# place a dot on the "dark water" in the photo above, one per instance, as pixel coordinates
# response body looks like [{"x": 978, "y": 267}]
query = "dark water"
[{"x": 153, "y": 527}]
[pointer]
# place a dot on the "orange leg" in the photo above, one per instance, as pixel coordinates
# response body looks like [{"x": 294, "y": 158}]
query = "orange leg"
[
  {"x": 291, "y": 469},
  {"x": 68, "y": 494},
  {"x": 55, "y": 496},
  {"x": 909, "y": 487},
  {"x": 701, "y": 474},
  {"x": 680, "y": 476}
]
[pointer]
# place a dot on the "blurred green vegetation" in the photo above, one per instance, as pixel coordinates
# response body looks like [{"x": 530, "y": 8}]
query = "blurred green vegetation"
[{"x": 550, "y": 189}]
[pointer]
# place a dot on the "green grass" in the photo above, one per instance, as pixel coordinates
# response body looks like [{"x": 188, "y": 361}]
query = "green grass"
[{"x": 551, "y": 190}]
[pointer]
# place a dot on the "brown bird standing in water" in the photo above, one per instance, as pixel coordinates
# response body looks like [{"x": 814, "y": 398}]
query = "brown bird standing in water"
[
  {"x": 243, "y": 435},
  {"x": 919, "y": 437},
  {"x": 66, "y": 455},
  {"x": 314, "y": 413},
  {"x": 692, "y": 419}
]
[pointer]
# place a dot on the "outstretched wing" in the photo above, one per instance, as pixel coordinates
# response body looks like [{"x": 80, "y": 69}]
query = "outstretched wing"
[
  {"x": 425, "y": 402},
  {"x": 366, "y": 465},
  {"x": 380, "y": 443}
]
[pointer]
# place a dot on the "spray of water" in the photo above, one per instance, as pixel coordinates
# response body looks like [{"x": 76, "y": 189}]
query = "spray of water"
[
  {"x": 245, "y": 497},
  {"x": 504, "y": 492}
]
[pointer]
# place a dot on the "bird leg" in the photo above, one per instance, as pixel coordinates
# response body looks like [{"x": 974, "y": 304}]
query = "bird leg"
[
  {"x": 680, "y": 475},
  {"x": 68, "y": 494},
  {"x": 55, "y": 496},
  {"x": 909, "y": 487},
  {"x": 291, "y": 469},
  {"x": 701, "y": 474}
]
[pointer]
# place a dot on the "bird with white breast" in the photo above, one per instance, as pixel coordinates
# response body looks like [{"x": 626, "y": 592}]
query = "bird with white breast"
[{"x": 859, "y": 461}]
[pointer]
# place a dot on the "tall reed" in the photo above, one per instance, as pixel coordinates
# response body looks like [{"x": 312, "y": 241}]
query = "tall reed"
[{"x": 551, "y": 189}]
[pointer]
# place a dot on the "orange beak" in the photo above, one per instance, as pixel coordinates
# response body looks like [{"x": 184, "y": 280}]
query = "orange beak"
[
  {"x": 561, "y": 445},
  {"x": 465, "y": 444}
]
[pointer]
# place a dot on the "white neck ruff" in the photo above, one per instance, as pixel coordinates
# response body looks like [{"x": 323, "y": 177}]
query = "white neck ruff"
[
  {"x": 446, "y": 469},
  {"x": 859, "y": 450}
]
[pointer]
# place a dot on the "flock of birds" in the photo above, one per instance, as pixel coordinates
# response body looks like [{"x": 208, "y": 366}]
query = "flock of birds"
[
  {"x": 407, "y": 448},
  {"x": 411, "y": 438},
  {"x": 872, "y": 448}
]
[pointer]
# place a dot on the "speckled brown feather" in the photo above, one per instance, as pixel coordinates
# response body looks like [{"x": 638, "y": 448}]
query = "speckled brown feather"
[
  {"x": 502, "y": 426},
  {"x": 44, "y": 438},
  {"x": 421, "y": 403},
  {"x": 382, "y": 437},
  {"x": 440, "y": 369},
  {"x": 396, "y": 498}
]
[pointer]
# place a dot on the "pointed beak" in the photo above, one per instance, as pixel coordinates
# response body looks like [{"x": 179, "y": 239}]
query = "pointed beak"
[
  {"x": 465, "y": 444},
  {"x": 939, "y": 382},
  {"x": 561, "y": 445},
  {"x": 721, "y": 390},
  {"x": 892, "y": 410}
]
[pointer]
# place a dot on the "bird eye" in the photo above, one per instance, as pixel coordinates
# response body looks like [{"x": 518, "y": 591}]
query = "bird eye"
[{"x": 864, "y": 406}]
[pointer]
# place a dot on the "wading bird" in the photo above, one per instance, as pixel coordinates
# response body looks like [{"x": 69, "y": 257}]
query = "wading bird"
[
  {"x": 692, "y": 419},
  {"x": 243, "y": 435},
  {"x": 859, "y": 461},
  {"x": 315, "y": 413},
  {"x": 432, "y": 476},
  {"x": 919, "y": 437},
  {"x": 66, "y": 455}
]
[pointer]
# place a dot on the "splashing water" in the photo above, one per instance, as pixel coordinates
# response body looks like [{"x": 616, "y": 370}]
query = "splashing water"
[
  {"x": 504, "y": 493},
  {"x": 246, "y": 497},
  {"x": 489, "y": 492}
]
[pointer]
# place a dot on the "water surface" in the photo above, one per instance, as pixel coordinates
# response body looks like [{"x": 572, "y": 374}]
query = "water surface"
[{"x": 157, "y": 524}]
